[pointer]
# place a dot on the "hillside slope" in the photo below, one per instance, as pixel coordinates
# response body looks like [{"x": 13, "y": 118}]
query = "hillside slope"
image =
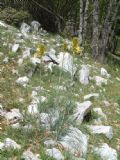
[{"x": 55, "y": 104}]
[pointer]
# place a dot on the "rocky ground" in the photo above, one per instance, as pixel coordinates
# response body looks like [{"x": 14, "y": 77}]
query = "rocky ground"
[{"x": 58, "y": 105}]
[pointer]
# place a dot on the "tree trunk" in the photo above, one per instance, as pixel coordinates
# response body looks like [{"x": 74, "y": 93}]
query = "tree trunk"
[
  {"x": 81, "y": 26},
  {"x": 85, "y": 20},
  {"x": 95, "y": 39},
  {"x": 107, "y": 28}
]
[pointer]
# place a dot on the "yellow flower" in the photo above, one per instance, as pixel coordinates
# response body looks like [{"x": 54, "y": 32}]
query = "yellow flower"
[
  {"x": 78, "y": 50},
  {"x": 75, "y": 43},
  {"x": 40, "y": 51},
  {"x": 64, "y": 47}
]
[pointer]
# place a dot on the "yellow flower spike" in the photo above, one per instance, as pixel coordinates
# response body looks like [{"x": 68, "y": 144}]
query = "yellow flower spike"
[
  {"x": 75, "y": 43},
  {"x": 78, "y": 50},
  {"x": 64, "y": 46},
  {"x": 40, "y": 51}
]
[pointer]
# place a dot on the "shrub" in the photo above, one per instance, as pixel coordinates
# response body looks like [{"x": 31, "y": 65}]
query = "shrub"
[{"x": 14, "y": 17}]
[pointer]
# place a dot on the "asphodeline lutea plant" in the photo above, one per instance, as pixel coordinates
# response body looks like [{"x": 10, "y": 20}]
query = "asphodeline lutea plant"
[
  {"x": 64, "y": 47},
  {"x": 75, "y": 46},
  {"x": 40, "y": 51}
]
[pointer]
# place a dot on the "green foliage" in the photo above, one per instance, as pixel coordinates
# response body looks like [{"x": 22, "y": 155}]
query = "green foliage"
[{"x": 13, "y": 16}]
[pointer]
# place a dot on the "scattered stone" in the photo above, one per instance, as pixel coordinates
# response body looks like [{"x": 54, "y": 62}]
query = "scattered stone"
[
  {"x": 20, "y": 61},
  {"x": 117, "y": 78},
  {"x": 9, "y": 144},
  {"x": 50, "y": 143},
  {"x": 116, "y": 105},
  {"x": 16, "y": 125},
  {"x": 100, "y": 113},
  {"x": 3, "y": 24},
  {"x": 39, "y": 89},
  {"x": 50, "y": 119},
  {"x": 50, "y": 66},
  {"x": 106, "y": 130},
  {"x": 75, "y": 142},
  {"x": 15, "y": 48},
  {"x": 28, "y": 155},
  {"x": 5, "y": 60},
  {"x": 84, "y": 74},
  {"x": 62, "y": 88},
  {"x": 35, "y": 61},
  {"x": 81, "y": 111},
  {"x": 104, "y": 73},
  {"x": 25, "y": 28},
  {"x": 1, "y": 53},
  {"x": 52, "y": 57},
  {"x": 28, "y": 127},
  {"x": 100, "y": 81},
  {"x": 15, "y": 72},
  {"x": 105, "y": 152},
  {"x": 1, "y": 145},
  {"x": 106, "y": 103},
  {"x": 66, "y": 62},
  {"x": 90, "y": 96},
  {"x": 97, "y": 121},
  {"x": 33, "y": 109},
  {"x": 35, "y": 26},
  {"x": 55, "y": 153},
  {"x": 26, "y": 53},
  {"x": 14, "y": 115},
  {"x": 22, "y": 81}
]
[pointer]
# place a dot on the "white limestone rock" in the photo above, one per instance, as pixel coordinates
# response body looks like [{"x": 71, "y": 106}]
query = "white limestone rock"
[
  {"x": 75, "y": 142},
  {"x": 66, "y": 62},
  {"x": 104, "y": 73},
  {"x": 105, "y": 130},
  {"x": 3, "y": 24},
  {"x": 117, "y": 78},
  {"x": 16, "y": 125},
  {"x": 106, "y": 103},
  {"x": 33, "y": 109},
  {"x": 5, "y": 60},
  {"x": 25, "y": 28},
  {"x": 92, "y": 95},
  {"x": 34, "y": 94},
  {"x": 50, "y": 119},
  {"x": 99, "y": 81},
  {"x": 28, "y": 155},
  {"x": 105, "y": 152},
  {"x": 97, "y": 121},
  {"x": 84, "y": 74},
  {"x": 26, "y": 53},
  {"x": 22, "y": 81},
  {"x": 15, "y": 48},
  {"x": 50, "y": 66},
  {"x": 20, "y": 61},
  {"x": 1, "y": 54},
  {"x": 55, "y": 153},
  {"x": 62, "y": 88},
  {"x": 28, "y": 127},
  {"x": 52, "y": 56},
  {"x": 9, "y": 144},
  {"x": 81, "y": 111},
  {"x": 13, "y": 115},
  {"x": 50, "y": 142},
  {"x": 35, "y": 61},
  {"x": 100, "y": 113},
  {"x": 35, "y": 25}
]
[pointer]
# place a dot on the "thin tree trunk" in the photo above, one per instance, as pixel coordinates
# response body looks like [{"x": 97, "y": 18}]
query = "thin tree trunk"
[
  {"x": 95, "y": 39},
  {"x": 81, "y": 26},
  {"x": 107, "y": 28},
  {"x": 85, "y": 19}
]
